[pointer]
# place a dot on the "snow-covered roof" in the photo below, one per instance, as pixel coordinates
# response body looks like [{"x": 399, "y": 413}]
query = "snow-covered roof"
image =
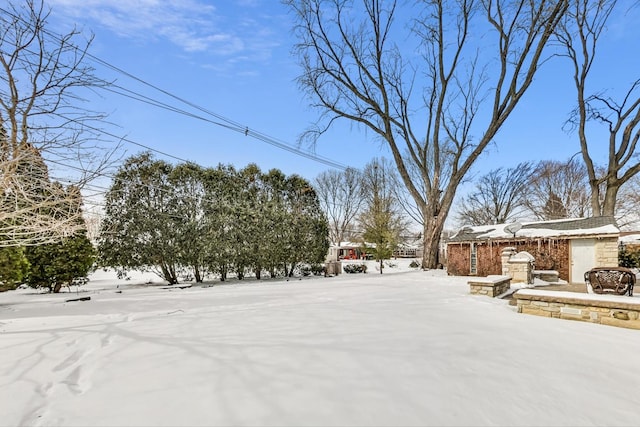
[
  {"x": 413, "y": 245},
  {"x": 401, "y": 245},
  {"x": 574, "y": 227},
  {"x": 351, "y": 245},
  {"x": 630, "y": 238},
  {"x": 347, "y": 245}
]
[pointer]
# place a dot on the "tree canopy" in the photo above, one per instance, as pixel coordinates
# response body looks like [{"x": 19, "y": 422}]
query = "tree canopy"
[
  {"x": 498, "y": 196},
  {"x": 359, "y": 64},
  {"x": 619, "y": 115}
]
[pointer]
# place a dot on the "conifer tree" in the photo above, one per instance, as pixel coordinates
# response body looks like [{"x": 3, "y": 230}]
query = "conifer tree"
[
  {"x": 188, "y": 198},
  {"x": 221, "y": 189},
  {"x": 55, "y": 265},
  {"x": 141, "y": 226},
  {"x": 14, "y": 267},
  {"x": 381, "y": 221},
  {"x": 306, "y": 227}
]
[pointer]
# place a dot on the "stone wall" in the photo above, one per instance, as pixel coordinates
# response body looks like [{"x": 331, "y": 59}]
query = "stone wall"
[
  {"x": 491, "y": 286},
  {"x": 614, "y": 311}
]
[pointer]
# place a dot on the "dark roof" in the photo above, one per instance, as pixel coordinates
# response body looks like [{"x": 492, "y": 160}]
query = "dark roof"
[
  {"x": 551, "y": 229},
  {"x": 573, "y": 224}
]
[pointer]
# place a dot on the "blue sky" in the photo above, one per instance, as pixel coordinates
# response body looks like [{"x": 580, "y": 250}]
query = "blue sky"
[{"x": 233, "y": 57}]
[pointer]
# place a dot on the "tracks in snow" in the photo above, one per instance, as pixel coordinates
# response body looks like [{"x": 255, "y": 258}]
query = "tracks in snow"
[{"x": 68, "y": 364}]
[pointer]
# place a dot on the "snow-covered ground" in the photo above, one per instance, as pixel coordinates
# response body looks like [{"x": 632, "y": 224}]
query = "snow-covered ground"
[{"x": 404, "y": 348}]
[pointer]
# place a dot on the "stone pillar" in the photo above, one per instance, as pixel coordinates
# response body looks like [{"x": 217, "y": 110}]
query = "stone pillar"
[
  {"x": 606, "y": 252},
  {"x": 506, "y": 254},
  {"x": 521, "y": 267}
]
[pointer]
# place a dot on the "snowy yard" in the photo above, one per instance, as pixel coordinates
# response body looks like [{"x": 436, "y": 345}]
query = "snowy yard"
[{"x": 410, "y": 348}]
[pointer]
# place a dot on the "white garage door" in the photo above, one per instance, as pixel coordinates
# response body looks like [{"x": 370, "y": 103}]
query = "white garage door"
[{"x": 583, "y": 258}]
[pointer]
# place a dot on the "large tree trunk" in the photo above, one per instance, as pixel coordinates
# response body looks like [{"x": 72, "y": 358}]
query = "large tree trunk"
[
  {"x": 605, "y": 206},
  {"x": 435, "y": 214},
  {"x": 609, "y": 202},
  {"x": 432, "y": 232}
]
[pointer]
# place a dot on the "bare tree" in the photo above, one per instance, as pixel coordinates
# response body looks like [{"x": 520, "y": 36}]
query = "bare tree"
[
  {"x": 498, "y": 196},
  {"x": 33, "y": 209},
  {"x": 628, "y": 205},
  {"x": 579, "y": 34},
  {"x": 558, "y": 190},
  {"x": 355, "y": 68},
  {"x": 403, "y": 197},
  {"x": 341, "y": 198},
  {"x": 42, "y": 120}
]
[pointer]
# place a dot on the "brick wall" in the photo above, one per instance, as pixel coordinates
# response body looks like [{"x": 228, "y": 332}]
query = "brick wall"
[{"x": 550, "y": 254}]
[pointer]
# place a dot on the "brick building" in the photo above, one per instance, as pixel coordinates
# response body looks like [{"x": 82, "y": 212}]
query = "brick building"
[{"x": 569, "y": 246}]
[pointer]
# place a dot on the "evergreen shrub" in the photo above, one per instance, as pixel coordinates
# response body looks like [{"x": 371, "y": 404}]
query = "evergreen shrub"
[
  {"x": 355, "y": 268},
  {"x": 629, "y": 258}
]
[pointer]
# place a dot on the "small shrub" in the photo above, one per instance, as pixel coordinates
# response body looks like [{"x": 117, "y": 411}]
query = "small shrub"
[
  {"x": 414, "y": 264},
  {"x": 628, "y": 258},
  {"x": 122, "y": 274},
  {"x": 79, "y": 281},
  {"x": 351, "y": 268},
  {"x": 14, "y": 267},
  {"x": 317, "y": 269},
  {"x": 355, "y": 268}
]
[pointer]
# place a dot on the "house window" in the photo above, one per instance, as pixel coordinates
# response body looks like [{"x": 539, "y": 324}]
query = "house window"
[{"x": 474, "y": 260}]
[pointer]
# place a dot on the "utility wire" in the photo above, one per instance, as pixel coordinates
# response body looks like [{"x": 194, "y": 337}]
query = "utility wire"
[
  {"x": 236, "y": 128},
  {"x": 222, "y": 120}
]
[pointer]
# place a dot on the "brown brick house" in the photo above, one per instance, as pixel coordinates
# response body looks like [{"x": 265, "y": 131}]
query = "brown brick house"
[{"x": 569, "y": 246}]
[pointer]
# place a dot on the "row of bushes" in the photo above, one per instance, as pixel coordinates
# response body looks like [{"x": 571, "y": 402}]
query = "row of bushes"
[{"x": 362, "y": 268}]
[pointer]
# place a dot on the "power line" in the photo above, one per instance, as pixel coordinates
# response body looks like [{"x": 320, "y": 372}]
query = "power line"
[
  {"x": 223, "y": 121},
  {"x": 233, "y": 127}
]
